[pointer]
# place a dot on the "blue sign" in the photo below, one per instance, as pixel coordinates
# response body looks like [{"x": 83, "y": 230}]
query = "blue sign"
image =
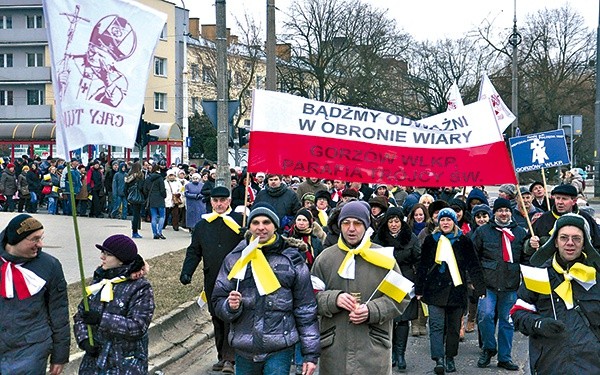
[{"x": 541, "y": 150}]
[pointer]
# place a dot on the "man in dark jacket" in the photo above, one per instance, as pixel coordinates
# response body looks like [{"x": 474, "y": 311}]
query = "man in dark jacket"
[
  {"x": 563, "y": 327},
  {"x": 264, "y": 290},
  {"x": 95, "y": 187},
  {"x": 213, "y": 238},
  {"x": 284, "y": 200},
  {"x": 499, "y": 244},
  {"x": 34, "y": 305}
]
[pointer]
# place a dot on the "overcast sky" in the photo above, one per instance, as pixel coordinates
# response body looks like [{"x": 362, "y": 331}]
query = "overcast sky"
[{"x": 423, "y": 19}]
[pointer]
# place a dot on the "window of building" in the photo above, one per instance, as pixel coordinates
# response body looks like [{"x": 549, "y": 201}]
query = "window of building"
[
  {"x": 35, "y": 22},
  {"x": 195, "y": 72},
  {"x": 6, "y": 97},
  {"x": 35, "y": 59},
  {"x": 207, "y": 74},
  {"x": 195, "y": 104},
  {"x": 160, "y": 66},
  {"x": 163, "y": 32},
  {"x": 35, "y": 97},
  {"x": 5, "y": 22},
  {"x": 260, "y": 82},
  {"x": 160, "y": 101},
  {"x": 6, "y": 60}
]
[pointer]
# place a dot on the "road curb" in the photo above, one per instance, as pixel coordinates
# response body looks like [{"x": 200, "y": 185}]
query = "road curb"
[{"x": 170, "y": 337}]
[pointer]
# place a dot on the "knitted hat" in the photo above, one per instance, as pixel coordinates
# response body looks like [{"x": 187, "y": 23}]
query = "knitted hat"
[
  {"x": 325, "y": 195},
  {"x": 308, "y": 197},
  {"x": 481, "y": 208},
  {"x": 357, "y": 210},
  {"x": 10, "y": 165},
  {"x": 457, "y": 205},
  {"x": 306, "y": 213},
  {"x": 549, "y": 248},
  {"x": 20, "y": 227},
  {"x": 436, "y": 206},
  {"x": 264, "y": 209},
  {"x": 569, "y": 190},
  {"x": 380, "y": 202},
  {"x": 121, "y": 247},
  {"x": 534, "y": 184},
  {"x": 509, "y": 189},
  {"x": 394, "y": 212},
  {"x": 219, "y": 192},
  {"x": 350, "y": 193},
  {"x": 501, "y": 203},
  {"x": 447, "y": 212}
]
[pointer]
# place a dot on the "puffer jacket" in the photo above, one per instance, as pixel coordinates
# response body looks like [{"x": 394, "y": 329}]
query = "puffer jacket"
[
  {"x": 273, "y": 322},
  {"x": 122, "y": 334},
  {"x": 499, "y": 275},
  {"x": 8, "y": 183}
]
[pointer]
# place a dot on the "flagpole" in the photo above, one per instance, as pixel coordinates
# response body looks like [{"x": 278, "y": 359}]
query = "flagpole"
[
  {"x": 246, "y": 198},
  {"x": 526, "y": 214},
  {"x": 552, "y": 301},
  {"x": 376, "y": 289},
  {"x": 86, "y": 306},
  {"x": 545, "y": 189}
]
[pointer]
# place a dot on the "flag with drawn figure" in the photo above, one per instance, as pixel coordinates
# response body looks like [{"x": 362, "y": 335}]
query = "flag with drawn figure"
[
  {"x": 540, "y": 150},
  {"x": 100, "y": 53},
  {"x": 536, "y": 279},
  {"x": 487, "y": 91},
  {"x": 454, "y": 98},
  {"x": 396, "y": 286}
]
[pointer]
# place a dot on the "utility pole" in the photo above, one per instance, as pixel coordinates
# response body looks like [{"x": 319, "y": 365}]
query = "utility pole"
[
  {"x": 271, "y": 79},
  {"x": 514, "y": 40},
  {"x": 597, "y": 115},
  {"x": 223, "y": 174}
]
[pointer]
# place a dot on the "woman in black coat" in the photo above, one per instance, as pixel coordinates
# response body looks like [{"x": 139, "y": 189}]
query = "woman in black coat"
[
  {"x": 442, "y": 285},
  {"x": 396, "y": 233},
  {"x": 155, "y": 193}
]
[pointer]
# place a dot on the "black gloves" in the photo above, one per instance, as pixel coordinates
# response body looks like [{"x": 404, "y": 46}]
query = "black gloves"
[
  {"x": 92, "y": 351},
  {"x": 548, "y": 327},
  {"x": 91, "y": 317},
  {"x": 185, "y": 279}
]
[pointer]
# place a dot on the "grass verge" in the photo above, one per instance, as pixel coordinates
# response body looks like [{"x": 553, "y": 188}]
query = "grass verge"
[{"x": 164, "y": 277}]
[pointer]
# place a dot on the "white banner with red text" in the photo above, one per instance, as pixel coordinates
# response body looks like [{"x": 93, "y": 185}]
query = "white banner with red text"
[
  {"x": 101, "y": 53},
  {"x": 292, "y": 135}
]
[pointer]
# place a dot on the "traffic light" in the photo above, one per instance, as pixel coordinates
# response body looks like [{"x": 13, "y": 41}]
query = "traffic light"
[
  {"x": 244, "y": 136},
  {"x": 143, "y": 137}
]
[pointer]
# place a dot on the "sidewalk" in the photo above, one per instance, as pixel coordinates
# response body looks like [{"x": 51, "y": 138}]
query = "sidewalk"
[{"x": 59, "y": 239}]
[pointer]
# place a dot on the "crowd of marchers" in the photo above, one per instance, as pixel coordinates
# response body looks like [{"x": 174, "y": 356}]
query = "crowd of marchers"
[{"x": 293, "y": 273}]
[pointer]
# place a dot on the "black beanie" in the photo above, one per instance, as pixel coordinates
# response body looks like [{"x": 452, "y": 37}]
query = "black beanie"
[
  {"x": 20, "y": 227},
  {"x": 307, "y": 214}
]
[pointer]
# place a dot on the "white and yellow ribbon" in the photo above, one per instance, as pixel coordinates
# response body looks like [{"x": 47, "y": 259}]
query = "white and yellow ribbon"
[
  {"x": 379, "y": 258},
  {"x": 106, "y": 288},
  {"x": 445, "y": 253},
  {"x": 323, "y": 218},
  {"x": 228, "y": 220},
  {"x": 584, "y": 275},
  {"x": 264, "y": 277}
]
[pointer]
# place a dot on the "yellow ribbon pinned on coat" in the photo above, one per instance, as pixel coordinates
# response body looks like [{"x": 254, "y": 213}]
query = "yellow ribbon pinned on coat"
[
  {"x": 228, "y": 220},
  {"x": 106, "y": 285},
  {"x": 584, "y": 275},
  {"x": 323, "y": 218},
  {"x": 445, "y": 253},
  {"x": 264, "y": 277},
  {"x": 380, "y": 259}
]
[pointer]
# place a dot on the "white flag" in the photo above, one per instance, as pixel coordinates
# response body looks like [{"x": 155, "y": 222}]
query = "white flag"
[
  {"x": 454, "y": 98},
  {"x": 101, "y": 52},
  {"x": 503, "y": 115}
]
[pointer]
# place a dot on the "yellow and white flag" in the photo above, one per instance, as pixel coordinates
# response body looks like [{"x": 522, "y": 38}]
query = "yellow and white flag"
[
  {"x": 445, "y": 253},
  {"x": 396, "y": 286},
  {"x": 264, "y": 277},
  {"x": 202, "y": 301},
  {"x": 536, "y": 279},
  {"x": 100, "y": 54}
]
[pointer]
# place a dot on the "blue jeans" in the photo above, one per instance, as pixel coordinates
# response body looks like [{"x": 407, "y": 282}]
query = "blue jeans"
[
  {"x": 278, "y": 363},
  {"x": 52, "y": 205},
  {"x": 116, "y": 203},
  {"x": 158, "y": 219},
  {"x": 444, "y": 330},
  {"x": 500, "y": 302}
]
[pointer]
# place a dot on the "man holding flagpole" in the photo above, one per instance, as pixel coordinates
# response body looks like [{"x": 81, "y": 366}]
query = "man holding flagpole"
[
  {"x": 264, "y": 290},
  {"x": 560, "y": 309},
  {"x": 356, "y": 316},
  {"x": 215, "y": 235}
]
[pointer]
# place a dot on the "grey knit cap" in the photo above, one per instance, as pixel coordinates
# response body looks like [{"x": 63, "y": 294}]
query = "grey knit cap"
[{"x": 357, "y": 210}]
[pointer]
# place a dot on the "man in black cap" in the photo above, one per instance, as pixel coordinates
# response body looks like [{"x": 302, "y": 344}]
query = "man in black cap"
[
  {"x": 563, "y": 321},
  {"x": 539, "y": 196},
  {"x": 215, "y": 235},
  {"x": 565, "y": 201},
  {"x": 499, "y": 245},
  {"x": 34, "y": 302}
]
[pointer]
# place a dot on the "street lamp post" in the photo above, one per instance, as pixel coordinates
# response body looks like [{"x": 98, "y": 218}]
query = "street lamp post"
[
  {"x": 514, "y": 40},
  {"x": 597, "y": 115}
]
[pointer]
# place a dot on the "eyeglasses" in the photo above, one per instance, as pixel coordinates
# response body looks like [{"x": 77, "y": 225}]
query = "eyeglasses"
[
  {"x": 35, "y": 239},
  {"x": 563, "y": 238}
]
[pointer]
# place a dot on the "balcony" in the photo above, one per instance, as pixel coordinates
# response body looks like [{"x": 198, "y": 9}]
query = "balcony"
[
  {"x": 13, "y": 113},
  {"x": 16, "y": 76},
  {"x": 23, "y": 37}
]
